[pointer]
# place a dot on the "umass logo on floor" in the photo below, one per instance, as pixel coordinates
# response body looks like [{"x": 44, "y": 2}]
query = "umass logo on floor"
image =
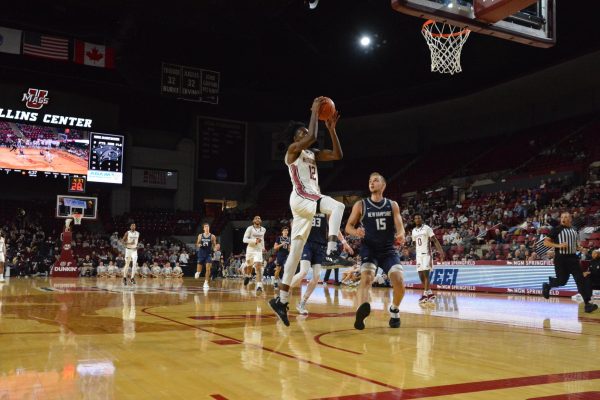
[{"x": 35, "y": 99}]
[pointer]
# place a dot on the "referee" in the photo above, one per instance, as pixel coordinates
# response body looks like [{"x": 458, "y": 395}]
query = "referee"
[{"x": 563, "y": 238}]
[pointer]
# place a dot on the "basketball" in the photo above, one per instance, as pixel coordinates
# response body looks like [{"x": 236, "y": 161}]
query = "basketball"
[{"x": 327, "y": 109}]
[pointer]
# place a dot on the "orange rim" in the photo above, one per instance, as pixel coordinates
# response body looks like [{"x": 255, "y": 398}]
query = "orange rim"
[{"x": 444, "y": 35}]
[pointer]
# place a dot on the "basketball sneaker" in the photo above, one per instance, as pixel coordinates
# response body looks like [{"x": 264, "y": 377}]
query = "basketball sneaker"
[
  {"x": 431, "y": 298},
  {"x": 280, "y": 309},
  {"x": 394, "y": 317},
  {"x": 590, "y": 307},
  {"x": 259, "y": 289},
  {"x": 132, "y": 281},
  {"x": 124, "y": 281},
  {"x": 205, "y": 286},
  {"x": 334, "y": 260},
  {"x": 423, "y": 299},
  {"x": 246, "y": 281},
  {"x": 197, "y": 275},
  {"x": 275, "y": 285},
  {"x": 301, "y": 307},
  {"x": 2, "y": 278},
  {"x": 546, "y": 290},
  {"x": 361, "y": 313}
]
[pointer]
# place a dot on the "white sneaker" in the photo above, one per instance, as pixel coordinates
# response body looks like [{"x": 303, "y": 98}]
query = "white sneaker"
[
  {"x": 2, "y": 278},
  {"x": 205, "y": 285},
  {"x": 578, "y": 298},
  {"x": 301, "y": 307},
  {"x": 197, "y": 275}
]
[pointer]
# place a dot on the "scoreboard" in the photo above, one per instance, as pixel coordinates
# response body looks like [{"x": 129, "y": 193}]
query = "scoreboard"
[{"x": 221, "y": 146}]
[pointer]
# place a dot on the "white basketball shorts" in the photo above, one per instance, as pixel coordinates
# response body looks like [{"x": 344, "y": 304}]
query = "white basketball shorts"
[
  {"x": 131, "y": 254},
  {"x": 255, "y": 256},
  {"x": 423, "y": 262},
  {"x": 303, "y": 211}
]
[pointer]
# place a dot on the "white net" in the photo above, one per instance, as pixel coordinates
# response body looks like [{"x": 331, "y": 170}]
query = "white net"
[
  {"x": 77, "y": 218},
  {"x": 445, "y": 43}
]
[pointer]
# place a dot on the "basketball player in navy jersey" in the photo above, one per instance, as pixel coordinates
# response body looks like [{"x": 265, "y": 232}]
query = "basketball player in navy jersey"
[
  {"x": 204, "y": 244},
  {"x": 381, "y": 226},
  {"x": 282, "y": 247},
  {"x": 313, "y": 256}
]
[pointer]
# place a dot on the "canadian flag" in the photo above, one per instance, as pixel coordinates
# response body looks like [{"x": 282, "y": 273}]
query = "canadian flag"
[{"x": 94, "y": 54}]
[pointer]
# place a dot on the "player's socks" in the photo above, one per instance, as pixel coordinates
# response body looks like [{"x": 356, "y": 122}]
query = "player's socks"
[
  {"x": 284, "y": 296},
  {"x": 331, "y": 246}
]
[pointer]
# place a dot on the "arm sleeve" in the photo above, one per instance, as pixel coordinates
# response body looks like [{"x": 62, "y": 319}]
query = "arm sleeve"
[{"x": 248, "y": 236}]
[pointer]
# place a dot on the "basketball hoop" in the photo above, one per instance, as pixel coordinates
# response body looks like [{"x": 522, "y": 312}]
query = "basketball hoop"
[
  {"x": 445, "y": 43},
  {"x": 77, "y": 218}
]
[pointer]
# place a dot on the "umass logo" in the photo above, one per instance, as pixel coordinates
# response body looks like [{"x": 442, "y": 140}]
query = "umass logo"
[{"x": 35, "y": 98}]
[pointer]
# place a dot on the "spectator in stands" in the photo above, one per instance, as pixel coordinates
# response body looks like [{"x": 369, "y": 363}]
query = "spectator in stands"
[
  {"x": 533, "y": 256},
  {"x": 86, "y": 266},
  {"x": 184, "y": 258}
]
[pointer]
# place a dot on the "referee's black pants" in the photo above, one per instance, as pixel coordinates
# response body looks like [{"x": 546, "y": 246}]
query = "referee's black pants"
[{"x": 565, "y": 265}]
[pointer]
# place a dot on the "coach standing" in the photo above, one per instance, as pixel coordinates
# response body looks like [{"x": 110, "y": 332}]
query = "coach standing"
[{"x": 563, "y": 239}]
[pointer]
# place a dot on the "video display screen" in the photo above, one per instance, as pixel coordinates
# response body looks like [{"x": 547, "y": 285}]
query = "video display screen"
[{"x": 37, "y": 149}]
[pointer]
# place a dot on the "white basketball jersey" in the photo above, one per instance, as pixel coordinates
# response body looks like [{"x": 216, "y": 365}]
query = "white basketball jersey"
[
  {"x": 2, "y": 245},
  {"x": 421, "y": 237},
  {"x": 253, "y": 234},
  {"x": 132, "y": 239},
  {"x": 305, "y": 176}
]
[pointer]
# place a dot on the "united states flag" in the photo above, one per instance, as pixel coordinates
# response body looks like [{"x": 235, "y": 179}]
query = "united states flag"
[{"x": 45, "y": 46}]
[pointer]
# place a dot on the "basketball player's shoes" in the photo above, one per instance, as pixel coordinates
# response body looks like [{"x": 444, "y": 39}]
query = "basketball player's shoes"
[
  {"x": 124, "y": 281},
  {"x": 361, "y": 313},
  {"x": 280, "y": 309},
  {"x": 423, "y": 299},
  {"x": 301, "y": 307},
  {"x": 246, "y": 281},
  {"x": 259, "y": 289},
  {"x": 197, "y": 275},
  {"x": 132, "y": 281},
  {"x": 205, "y": 286},
  {"x": 431, "y": 298},
  {"x": 275, "y": 285},
  {"x": 394, "y": 317},
  {"x": 546, "y": 290},
  {"x": 2, "y": 278},
  {"x": 590, "y": 307},
  {"x": 334, "y": 260}
]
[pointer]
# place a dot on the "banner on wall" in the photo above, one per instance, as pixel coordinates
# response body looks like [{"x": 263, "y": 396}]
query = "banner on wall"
[{"x": 499, "y": 278}]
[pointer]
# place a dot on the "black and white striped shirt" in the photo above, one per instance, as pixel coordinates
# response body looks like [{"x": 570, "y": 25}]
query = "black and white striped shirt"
[{"x": 562, "y": 234}]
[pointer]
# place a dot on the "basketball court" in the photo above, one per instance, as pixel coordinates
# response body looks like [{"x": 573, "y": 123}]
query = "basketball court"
[
  {"x": 33, "y": 160},
  {"x": 91, "y": 338}
]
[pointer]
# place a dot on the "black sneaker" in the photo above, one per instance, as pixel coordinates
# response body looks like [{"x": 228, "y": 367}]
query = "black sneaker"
[
  {"x": 246, "y": 280},
  {"x": 259, "y": 289},
  {"x": 275, "y": 285},
  {"x": 280, "y": 309},
  {"x": 590, "y": 307},
  {"x": 546, "y": 290},
  {"x": 124, "y": 281},
  {"x": 333, "y": 260},
  {"x": 395, "y": 318},
  {"x": 363, "y": 312},
  {"x": 132, "y": 281}
]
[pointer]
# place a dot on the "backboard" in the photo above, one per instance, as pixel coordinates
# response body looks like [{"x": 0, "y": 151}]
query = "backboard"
[
  {"x": 534, "y": 24},
  {"x": 67, "y": 205}
]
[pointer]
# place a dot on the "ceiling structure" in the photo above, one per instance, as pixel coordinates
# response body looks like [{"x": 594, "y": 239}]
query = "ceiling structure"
[{"x": 276, "y": 55}]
